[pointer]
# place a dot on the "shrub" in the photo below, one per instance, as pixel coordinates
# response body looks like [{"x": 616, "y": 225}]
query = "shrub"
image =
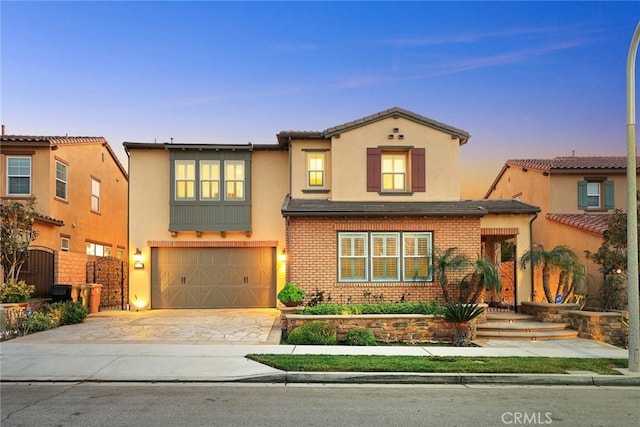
[
  {"x": 291, "y": 294},
  {"x": 360, "y": 336},
  {"x": 313, "y": 333},
  {"x": 68, "y": 312},
  {"x": 40, "y": 321},
  {"x": 375, "y": 308},
  {"x": 13, "y": 291}
]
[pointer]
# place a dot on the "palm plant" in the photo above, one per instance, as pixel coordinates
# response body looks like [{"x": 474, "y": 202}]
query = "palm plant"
[
  {"x": 560, "y": 257},
  {"x": 461, "y": 314},
  {"x": 444, "y": 262},
  {"x": 485, "y": 275}
]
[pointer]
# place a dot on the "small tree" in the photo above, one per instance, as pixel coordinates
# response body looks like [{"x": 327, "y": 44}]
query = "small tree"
[
  {"x": 16, "y": 234},
  {"x": 445, "y": 262},
  {"x": 485, "y": 276},
  {"x": 560, "y": 258}
]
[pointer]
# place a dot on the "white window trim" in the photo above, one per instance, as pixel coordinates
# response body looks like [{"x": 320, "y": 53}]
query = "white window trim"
[
  {"x": 385, "y": 255},
  {"x": 65, "y": 181},
  {"x": 323, "y": 171},
  {"x": 243, "y": 180},
  {"x": 95, "y": 196},
  {"x": 202, "y": 181},
  {"x": 368, "y": 239},
  {"x": 186, "y": 180},
  {"x": 599, "y": 195},
  {"x": 20, "y": 176},
  {"x": 64, "y": 247},
  {"x": 393, "y": 173}
]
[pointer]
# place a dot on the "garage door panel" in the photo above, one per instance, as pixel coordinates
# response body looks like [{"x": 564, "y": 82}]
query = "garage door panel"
[{"x": 213, "y": 277}]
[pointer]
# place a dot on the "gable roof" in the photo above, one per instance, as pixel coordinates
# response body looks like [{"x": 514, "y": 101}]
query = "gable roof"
[
  {"x": 592, "y": 222},
  {"x": 394, "y": 112},
  {"x": 572, "y": 164},
  {"x": 54, "y": 141},
  {"x": 462, "y": 208}
]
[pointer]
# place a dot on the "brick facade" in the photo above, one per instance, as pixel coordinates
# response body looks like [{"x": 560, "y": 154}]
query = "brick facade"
[
  {"x": 71, "y": 267},
  {"x": 312, "y": 247}
]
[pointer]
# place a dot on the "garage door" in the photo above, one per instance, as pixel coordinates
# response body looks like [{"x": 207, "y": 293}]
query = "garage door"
[{"x": 213, "y": 277}]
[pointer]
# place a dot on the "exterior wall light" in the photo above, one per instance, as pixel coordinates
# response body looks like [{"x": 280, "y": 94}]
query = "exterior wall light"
[
  {"x": 283, "y": 256},
  {"x": 137, "y": 259}
]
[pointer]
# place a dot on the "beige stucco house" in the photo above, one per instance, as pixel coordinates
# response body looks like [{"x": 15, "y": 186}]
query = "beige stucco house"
[
  {"x": 352, "y": 211},
  {"x": 80, "y": 188},
  {"x": 576, "y": 196}
]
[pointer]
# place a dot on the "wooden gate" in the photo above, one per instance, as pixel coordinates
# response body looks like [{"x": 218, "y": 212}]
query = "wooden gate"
[
  {"x": 112, "y": 274},
  {"x": 38, "y": 270}
]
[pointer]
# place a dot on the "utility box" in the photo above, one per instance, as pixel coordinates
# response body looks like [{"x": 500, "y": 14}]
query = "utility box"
[{"x": 60, "y": 292}]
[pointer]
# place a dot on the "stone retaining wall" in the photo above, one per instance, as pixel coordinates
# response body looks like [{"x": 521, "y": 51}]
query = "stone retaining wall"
[
  {"x": 409, "y": 328},
  {"x": 548, "y": 313},
  {"x": 599, "y": 326}
]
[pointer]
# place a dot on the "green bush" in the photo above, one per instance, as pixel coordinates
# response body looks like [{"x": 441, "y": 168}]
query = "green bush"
[
  {"x": 13, "y": 291},
  {"x": 40, "y": 321},
  {"x": 313, "y": 333},
  {"x": 462, "y": 313},
  {"x": 291, "y": 293},
  {"x": 375, "y": 308},
  {"x": 360, "y": 336},
  {"x": 68, "y": 312}
]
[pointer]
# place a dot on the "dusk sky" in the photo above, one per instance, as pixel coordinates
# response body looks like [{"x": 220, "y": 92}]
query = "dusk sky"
[{"x": 525, "y": 79}]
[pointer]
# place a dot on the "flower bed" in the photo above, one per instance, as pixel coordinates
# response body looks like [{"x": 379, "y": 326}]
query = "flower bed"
[{"x": 387, "y": 328}]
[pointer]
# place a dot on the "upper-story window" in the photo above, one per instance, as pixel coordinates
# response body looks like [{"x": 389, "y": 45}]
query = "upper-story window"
[
  {"x": 95, "y": 195},
  {"x": 64, "y": 243},
  {"x": 185, "y": 179},
  {"x": 595, "y": 193},
  {"x": 234, "y": 179},
  {"x": 98, "y": 249},
  {"x": 61, "y": 180},
  {"x": 19, "y": 175},
  {"x": 393, "y": 170},
  {"x": 210, "y": 180},
  {"x": 315, "y": 170}
]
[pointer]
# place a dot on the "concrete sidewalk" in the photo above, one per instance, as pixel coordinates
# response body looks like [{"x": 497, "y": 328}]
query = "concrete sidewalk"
[{"x": 210, "y": 346}]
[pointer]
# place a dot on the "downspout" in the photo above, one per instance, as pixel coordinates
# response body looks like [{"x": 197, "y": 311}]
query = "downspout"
[{"x": 126, "y": 304}]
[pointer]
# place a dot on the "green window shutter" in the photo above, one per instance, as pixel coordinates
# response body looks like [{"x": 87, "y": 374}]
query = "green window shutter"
[
  {"x": 609, "y": 201},
  {"x": 582, "y": 194}
]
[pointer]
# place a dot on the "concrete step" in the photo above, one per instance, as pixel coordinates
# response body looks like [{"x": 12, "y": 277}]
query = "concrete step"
[
  {"x": 506, "y": 316},
  {"x": 521, "y": 326},
  {"x": 564, "y": 334}
]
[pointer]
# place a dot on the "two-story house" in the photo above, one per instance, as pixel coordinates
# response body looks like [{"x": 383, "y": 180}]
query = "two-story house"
[
  {"x": 576, "y": 196},
  {"x": 358, "y": 209},
  {"x": 80, "y": 191}
]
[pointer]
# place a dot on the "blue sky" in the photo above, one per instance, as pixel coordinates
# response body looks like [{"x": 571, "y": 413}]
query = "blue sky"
[{"x": 526, "y": 79}]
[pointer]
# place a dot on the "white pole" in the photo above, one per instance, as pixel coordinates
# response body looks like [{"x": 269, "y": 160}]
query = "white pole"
[{"x": 632, "y": 210}]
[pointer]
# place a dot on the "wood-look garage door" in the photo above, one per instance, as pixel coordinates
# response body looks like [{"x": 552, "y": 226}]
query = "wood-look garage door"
[{"x": 213, "y": 277}]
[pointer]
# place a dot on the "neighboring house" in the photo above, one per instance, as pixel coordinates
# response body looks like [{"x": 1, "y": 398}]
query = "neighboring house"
[
  {"x": 80, "y": 189},
  {"x": 576, "y": 196},
  {"x": 355, "y": 211}
]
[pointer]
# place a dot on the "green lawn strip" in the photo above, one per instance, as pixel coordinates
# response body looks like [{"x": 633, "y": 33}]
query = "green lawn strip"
[{"x": 438, "y": 364}]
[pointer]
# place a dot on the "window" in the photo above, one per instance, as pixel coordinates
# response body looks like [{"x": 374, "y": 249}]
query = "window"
[
  {"x": 385, "y": 256},
  {"x": 395, "y": 171},
  {"x": 352, "y": 252},
  {"x": 120, "y": 254},
  {"x": 61, "y": 180},
  {"x": 185, "y": 179},
  {"x": 596, "y": 193},
  {"x": 234, "y": 180},
  {"x": 64, "y": 244},
  {"x": 19, "y": 175},
  {"x": 209, "y": 180},
  {"x": 417, "y": 256},
  {"x": 95, "y": 195},
  {"x": 98, "y": 249},
  {"x": 391, "y": 253},
  {"x": 315, "y": 167}
]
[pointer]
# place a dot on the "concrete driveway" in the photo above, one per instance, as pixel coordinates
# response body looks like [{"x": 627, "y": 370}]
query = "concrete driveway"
[{"x": 213, "y": 326}]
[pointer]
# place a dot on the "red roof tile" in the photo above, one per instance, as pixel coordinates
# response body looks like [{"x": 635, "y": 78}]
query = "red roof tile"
[
  {"x": 573, "y": 162},
  {"x": 592, "y": 222}
]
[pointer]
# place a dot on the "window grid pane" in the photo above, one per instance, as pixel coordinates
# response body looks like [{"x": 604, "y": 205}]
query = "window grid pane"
[
  {"x": 210, "y": 180},
  {"x": 61, "y": 180},
  {"x": 394, "y": 168},
  {"x": 316, "y": 170},
  {"x": 385, "y": 257},
  {"x": 417, "y": 256},
  {"x": 353, "y": 256},
  {"x": 593, "y": 194},
  {"x": 95, "y": 195},
  {"x": 19, "y": 175},
  {"x": 185, "y": 179},
  {"x": 234, "y": 180}
]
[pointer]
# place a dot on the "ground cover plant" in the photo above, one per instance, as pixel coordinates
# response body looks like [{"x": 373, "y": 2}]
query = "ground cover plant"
[
  {"x": 48, "y": 317},
  {"x": 433, "y": 308},
  {"x": 438, "y": 364}
]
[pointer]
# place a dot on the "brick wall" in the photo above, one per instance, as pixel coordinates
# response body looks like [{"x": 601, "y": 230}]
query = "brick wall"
[
  {"x": 71, "y": 267},
  {"x": 312, "y": 247}
]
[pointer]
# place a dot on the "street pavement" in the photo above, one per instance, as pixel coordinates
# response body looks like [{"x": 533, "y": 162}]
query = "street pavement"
[{"x": 211, "y": 345}]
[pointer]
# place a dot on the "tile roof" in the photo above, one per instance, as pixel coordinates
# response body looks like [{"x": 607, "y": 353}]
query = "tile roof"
[
  {"x": 572, "y": 162},
  {"x": 592, "y": 222},
  {"x": 474, "y": 208},
  {"x": 53, "y": 141},
  {"x": 391, "y": 112}
]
